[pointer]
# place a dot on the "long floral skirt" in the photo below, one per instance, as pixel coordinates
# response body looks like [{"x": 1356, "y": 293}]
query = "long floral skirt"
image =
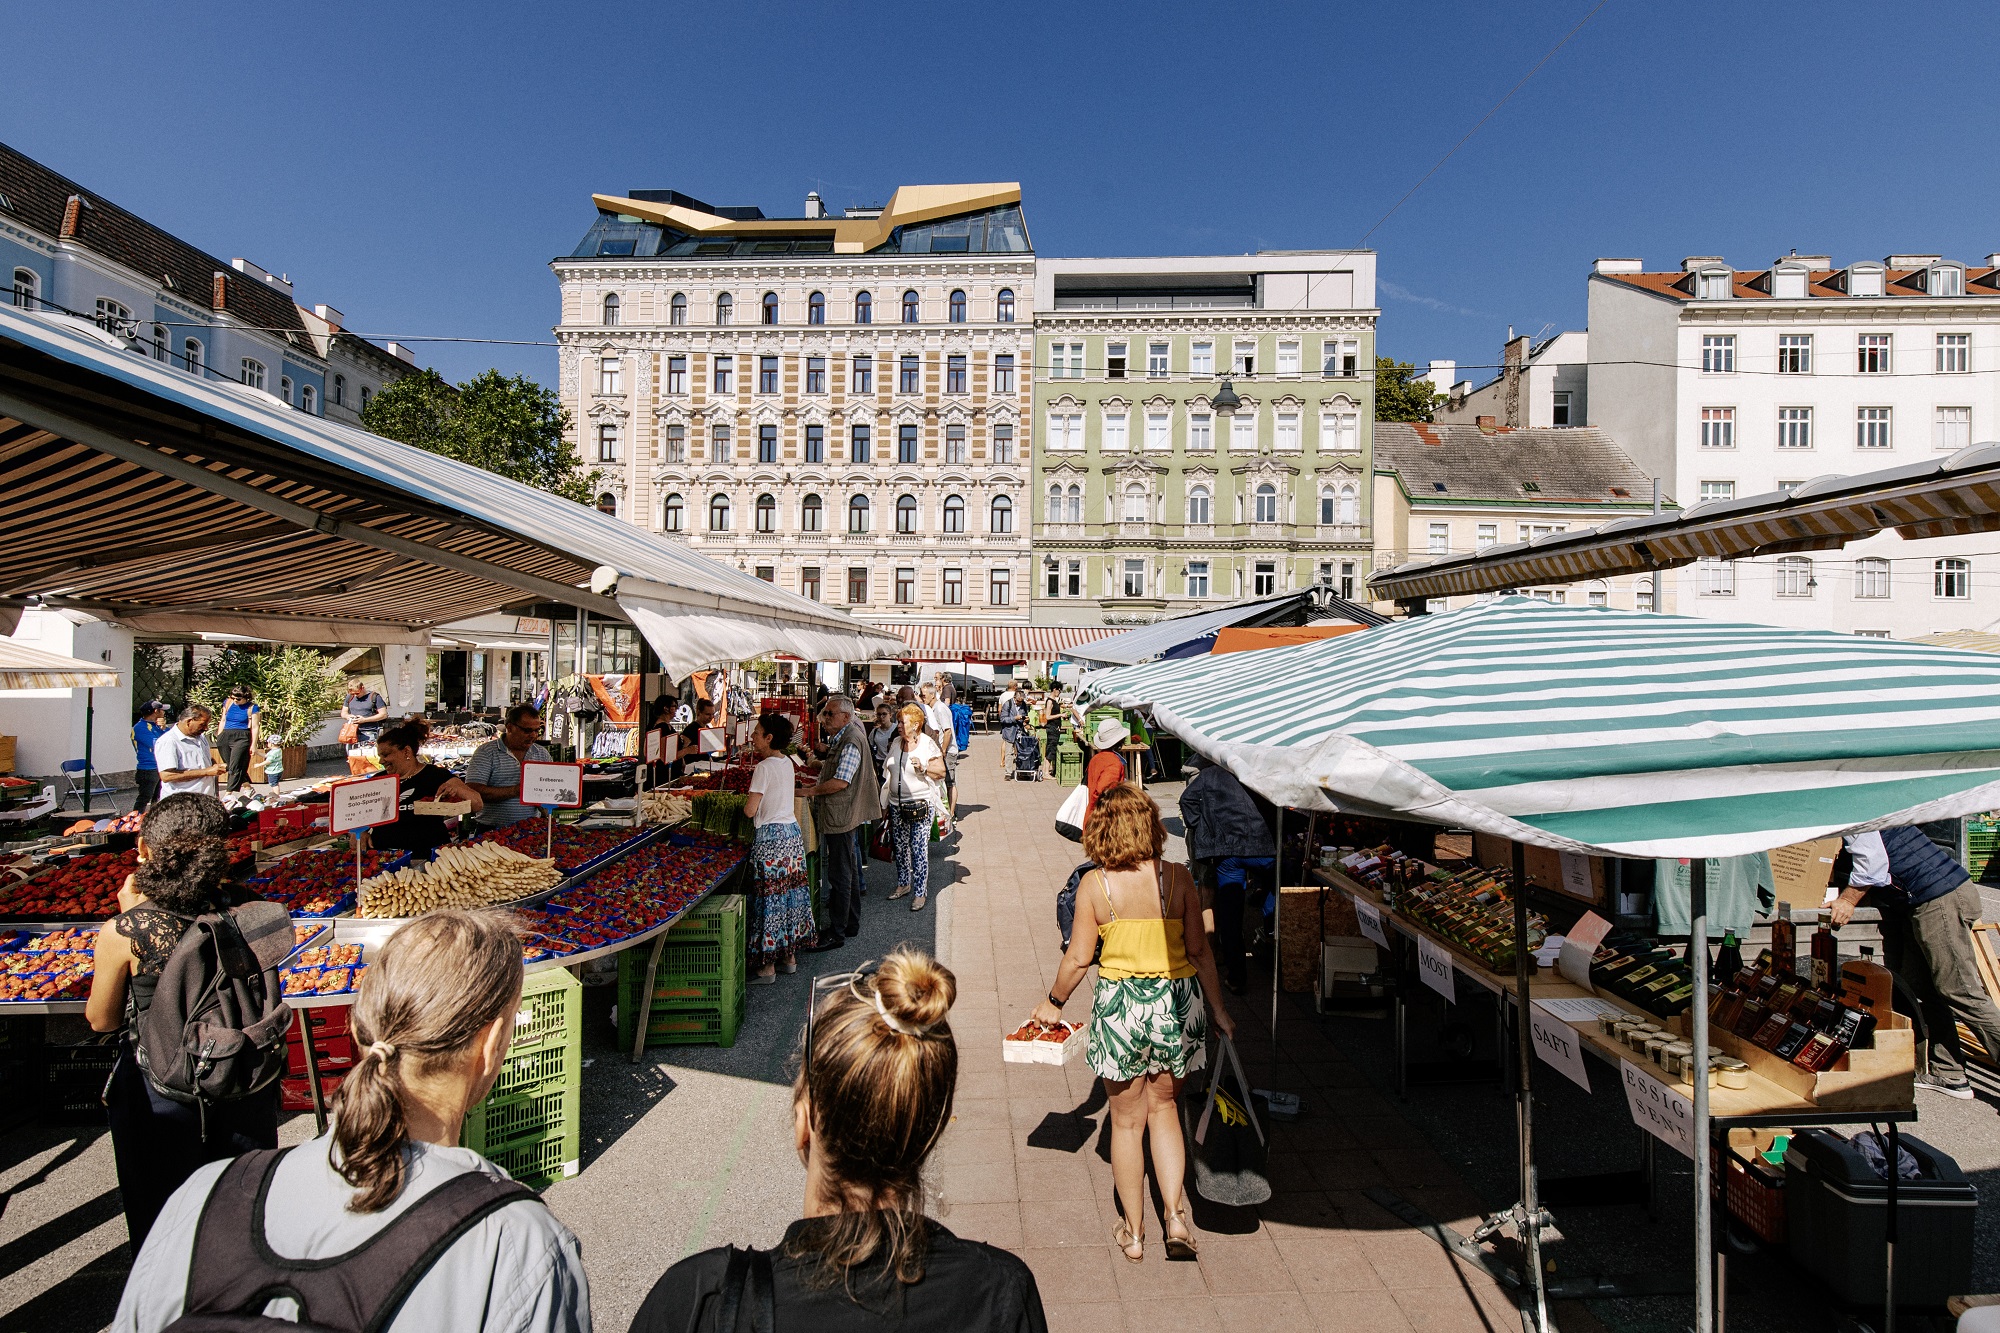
[{"x": 781, "y": 915}]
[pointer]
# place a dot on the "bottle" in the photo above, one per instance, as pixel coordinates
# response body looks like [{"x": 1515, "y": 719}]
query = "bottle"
[
  {"x": 1729, "y": 961},
  {"x": 1784, "y": 942},
  {"x": 1825, "y": 954},
  {"x": 1867, "y": 985}
]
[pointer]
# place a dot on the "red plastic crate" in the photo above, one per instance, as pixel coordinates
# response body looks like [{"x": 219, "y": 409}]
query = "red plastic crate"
[
  {"x": 1755, "y": 1200},
  {"x": 328, "y": 1022},
  {"x": 294, "y": 1095},
  {"x": 284, "y": 823},
  {"x": 336, "y": 1054}
]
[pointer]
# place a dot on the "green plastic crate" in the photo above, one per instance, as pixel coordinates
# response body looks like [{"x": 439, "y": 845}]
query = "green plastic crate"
[
  {"x": 539, "y": 1111},
  {"x": 551, "y": 1009},
  {"x": 709, "y": 1026},
  {"x": 537, "y": 1163},
  {"x": 1069, "y": 766},
  {"x": 716, "y": 915}
]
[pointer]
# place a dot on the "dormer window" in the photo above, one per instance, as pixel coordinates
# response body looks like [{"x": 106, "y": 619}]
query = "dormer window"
[
  {"x": 1864, "y": 280},
  {"x": 1788, "y": 284},
  {"x": 1713, "y": 284},
  {"x": 1945, "y": 280}
]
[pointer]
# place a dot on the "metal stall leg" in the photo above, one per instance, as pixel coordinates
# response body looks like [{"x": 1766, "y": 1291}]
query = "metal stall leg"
[
  {"x": 1889, "y": 1233},
  {"x": 1706, "y": 1310},
  {"x": 644, "y": 1018},
  {"x": 312, "y": 1069}
]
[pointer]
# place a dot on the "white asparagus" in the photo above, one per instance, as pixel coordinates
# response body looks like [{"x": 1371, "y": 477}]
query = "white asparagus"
[{"x": 463, "y": 875}]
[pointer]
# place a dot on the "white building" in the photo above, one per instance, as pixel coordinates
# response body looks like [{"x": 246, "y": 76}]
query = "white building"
[
  {"x": 1539, "y": 384},
  {"x": 1728, "y": 383}
]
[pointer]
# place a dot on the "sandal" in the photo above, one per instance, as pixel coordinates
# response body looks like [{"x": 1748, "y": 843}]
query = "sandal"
[
  {"x": 902, "y": 891},
  {"x": 1181, "y": 1247},
  {"x": 1129, "y": 1240}
]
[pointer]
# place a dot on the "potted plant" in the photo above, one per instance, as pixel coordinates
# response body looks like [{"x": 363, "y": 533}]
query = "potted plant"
[{"x": 297, "y": 688}]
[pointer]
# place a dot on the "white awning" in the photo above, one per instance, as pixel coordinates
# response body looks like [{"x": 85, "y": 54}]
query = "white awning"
[{"x": 25, "y": 668}]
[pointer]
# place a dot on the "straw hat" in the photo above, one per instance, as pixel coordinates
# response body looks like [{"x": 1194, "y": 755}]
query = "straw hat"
[{"x": 1110, "y": 733}]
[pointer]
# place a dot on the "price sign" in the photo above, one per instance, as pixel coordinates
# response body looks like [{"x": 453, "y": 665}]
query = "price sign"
[
  {"x": 364, "y": 803},
  {"x": 653, "y": 747},
  {"x": 1434, "y": 962},
  {"x": 552, "y": 784},
  {"x": 1370, "y": 917},
  {"x": 1659, "y": 1110},
  {"x": 1558, "y": 1044},
  {"x": 1576, "y": 875},
  {"x": 714, "y": 740}
]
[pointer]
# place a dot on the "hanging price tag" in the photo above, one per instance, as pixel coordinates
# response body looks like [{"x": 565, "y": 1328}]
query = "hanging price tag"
[
  {"x": 1434, "y": 962},
  {"x": 1659, "y": 1110},
  {"x": 1370, "y": 918},
  {"x": 1558, "y": 1044}
]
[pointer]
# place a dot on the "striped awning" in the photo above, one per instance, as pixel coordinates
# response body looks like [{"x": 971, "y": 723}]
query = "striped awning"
[
  {"x": 1948, "y": 497},
  {"x": 991, "y": 643},
  {"x": 1592, "y": 730},
  {"x": 25, "y": 668}
]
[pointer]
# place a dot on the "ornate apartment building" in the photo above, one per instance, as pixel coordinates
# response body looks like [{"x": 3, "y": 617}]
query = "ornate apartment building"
[{"x": 838, "y": 405}]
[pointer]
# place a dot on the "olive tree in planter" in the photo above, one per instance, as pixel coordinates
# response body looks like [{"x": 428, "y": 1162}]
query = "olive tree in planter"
[{"x": 297, "y": 689}]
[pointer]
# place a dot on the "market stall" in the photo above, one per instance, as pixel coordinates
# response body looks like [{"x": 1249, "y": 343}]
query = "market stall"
[
  {"x": 1606, "y": 733},
  {"x": 26, "y": 668}
]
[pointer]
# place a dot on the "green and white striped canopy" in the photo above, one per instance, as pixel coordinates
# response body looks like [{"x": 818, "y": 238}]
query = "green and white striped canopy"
[{"x": 1593, "y": 730}]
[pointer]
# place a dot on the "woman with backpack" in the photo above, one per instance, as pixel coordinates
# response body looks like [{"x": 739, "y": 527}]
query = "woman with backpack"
[
  {"x": 350, "y": 1219},
  {"x": 158, "y": 1142}
]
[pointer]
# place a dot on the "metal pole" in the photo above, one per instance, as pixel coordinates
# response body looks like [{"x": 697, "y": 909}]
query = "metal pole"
[
  {"x": 1889, "y": 1232},
  {"x": 1704, "y": 1220},
  {"x": 1277, "y": 922},
  {"x": 89, "y": 716},
  {"x": 1531, "y": 1206}
]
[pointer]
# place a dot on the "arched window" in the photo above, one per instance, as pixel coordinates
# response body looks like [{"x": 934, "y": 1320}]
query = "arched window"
[
  {"x": 191, "y": 353},
  {"x": 816, "y": 308},
  {"x": 1326, "y": 507},
  {"x": 1003, "y": 309},
  {"x": 1054, "y": 513},
  {"x": 252, "y": 373},
  {"x": 160, "y": 349},
  {"x": 673, "y": 514},
  {"x": 958, "y": 307},
  {"x": 725, "y": 306},
  {"x": 1135, "y": 503},
  {"x": 607, "y": 503},
  {"x": 954, "y": 513},
  {"x": 912, "y": 307},
  {"x": 1075, "y": 506},
  {"x": 677, "y": 310},
  {"x": 285, "y": 389},
  {"x": 770, "y": 307},
  {"x": 812, "y": 515},
  {"x": 1198, "y": 505},
  {"x": 1350, "y": 507},
  {"x": 864, "y": 308},
  {"x": 309, "y": 400},
  {"x": 1267, "y": 504},
  {"x": 767, "y": 514},
  {"x": 857, "y": 514},
  {"x": 611, "y": 307},
  {"x": 27, "y": 288},
  {"x": 718, "y": 513},
  {"x": 906, "y": 513},
  {"x": 367, "y": 394},
  {"x": 340, "y": 391},
  {"x": 1000, "y": 518}
]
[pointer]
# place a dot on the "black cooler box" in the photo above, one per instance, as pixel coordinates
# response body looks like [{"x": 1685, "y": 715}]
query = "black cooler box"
[{"x": 1836, "y": 1207}]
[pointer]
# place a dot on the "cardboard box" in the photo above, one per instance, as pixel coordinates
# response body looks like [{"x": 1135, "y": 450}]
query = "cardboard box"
[
  {"x": 6, "y": 754},
  {"x": 1802, "y": 871},
  {"x": 1299, "y": 934},
  {"x": 1578, "y": 877}
]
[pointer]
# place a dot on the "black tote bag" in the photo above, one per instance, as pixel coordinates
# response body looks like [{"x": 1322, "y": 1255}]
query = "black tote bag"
[{"x": 1224, "y": 1137}]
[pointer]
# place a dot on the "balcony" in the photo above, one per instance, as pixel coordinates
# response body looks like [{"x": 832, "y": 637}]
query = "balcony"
[{"x": 1342, "y": 532}]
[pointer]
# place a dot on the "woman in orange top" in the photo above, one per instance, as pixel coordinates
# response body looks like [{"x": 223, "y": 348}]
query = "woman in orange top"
[
  {"x": 1107, "y": 767},
  {"x": 1148, "y": 1025}
]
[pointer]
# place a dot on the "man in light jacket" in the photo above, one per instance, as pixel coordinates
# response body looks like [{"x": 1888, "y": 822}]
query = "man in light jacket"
[
  {"x": 846, "y": 797},
  {"x": 1231, "y": 835}
]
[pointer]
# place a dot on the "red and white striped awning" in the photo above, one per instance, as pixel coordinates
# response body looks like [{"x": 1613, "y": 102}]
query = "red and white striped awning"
[{"x": 992, "y": 643}]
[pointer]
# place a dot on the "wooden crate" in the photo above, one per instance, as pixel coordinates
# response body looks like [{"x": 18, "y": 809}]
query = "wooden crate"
[
  {"x": 6, "y": 754},
  {"x": 1882, "y": 1078},
  {"x": 1299, "y": 933}
]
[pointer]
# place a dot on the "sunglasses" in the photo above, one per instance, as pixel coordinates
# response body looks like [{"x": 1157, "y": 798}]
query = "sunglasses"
[{"x": 822, "y": 988}]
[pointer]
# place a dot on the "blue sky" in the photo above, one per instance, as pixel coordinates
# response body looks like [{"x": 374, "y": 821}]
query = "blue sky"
[{"x": 418, "y": 165}]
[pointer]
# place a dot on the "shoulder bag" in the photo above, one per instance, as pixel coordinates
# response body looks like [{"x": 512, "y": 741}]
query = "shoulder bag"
[{"x": 1069, "y": 818}]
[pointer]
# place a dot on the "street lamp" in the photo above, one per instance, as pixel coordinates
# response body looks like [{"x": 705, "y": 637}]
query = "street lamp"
[{"x": 1225, "y": 399}]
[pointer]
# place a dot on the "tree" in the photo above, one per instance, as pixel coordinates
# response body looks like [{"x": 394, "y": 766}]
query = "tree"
[
  {"x": 1400, "y": 395},
  {"x": 509, "y": 425}
]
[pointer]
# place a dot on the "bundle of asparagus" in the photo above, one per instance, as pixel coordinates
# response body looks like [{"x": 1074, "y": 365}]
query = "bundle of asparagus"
[{"x": 467, "y": 875}]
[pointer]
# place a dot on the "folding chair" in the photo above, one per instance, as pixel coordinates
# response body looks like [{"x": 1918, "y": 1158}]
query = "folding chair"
[{"x": 72, "y": 787}]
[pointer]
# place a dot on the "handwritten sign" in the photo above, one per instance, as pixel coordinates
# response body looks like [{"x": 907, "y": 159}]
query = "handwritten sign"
[
  {"x": 1659, "y": 1110},
  {"x": 364, "y": 803},
  {"x": 552, "y": 784},
  {"x": 653, "y": 748},
  {"x": 1558, "y": 1044},
  {"x": 1434, "y": 962},
  {"x": 1370, "y": 918},
  {"x": 1576, "y": 876}
]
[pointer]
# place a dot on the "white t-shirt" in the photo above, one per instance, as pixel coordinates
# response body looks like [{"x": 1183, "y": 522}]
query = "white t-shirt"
[
  {"x": 776, "y": 780},
  {"x": 178, "y": 751},
  {"x": 901, "y": 783},
  {"x": 939, "y": 715}
]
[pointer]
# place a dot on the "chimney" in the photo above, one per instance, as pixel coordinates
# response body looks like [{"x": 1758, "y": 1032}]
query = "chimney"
[
  {"x": 73, "y": 215},
  {"x": 402, "y": 353},
  {"x": 1993, "y": 260},
  {"x": 1486, "y": 423},
  {"x": 1442, "y": 375},
  {"x": 1608, "y": 266},
  {"x": 814, "y": 208},
  {"x": 1693, "y": 262},
  {"x": 269, "y": 279},
  {"x": 219, "y": 295},
  {"x": 330, "y": 315},
  {"x": 1515, "y": 351}
]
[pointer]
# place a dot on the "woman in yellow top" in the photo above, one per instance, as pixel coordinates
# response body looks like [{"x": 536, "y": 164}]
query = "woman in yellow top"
[{"x": 1148, "y": 1025}]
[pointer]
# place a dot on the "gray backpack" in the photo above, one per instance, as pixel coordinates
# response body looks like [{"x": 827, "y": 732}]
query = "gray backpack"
[{"x": 211, "y": 1026}]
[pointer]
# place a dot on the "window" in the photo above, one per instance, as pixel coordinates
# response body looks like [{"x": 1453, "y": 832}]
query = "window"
[
  {"x": 1199, "y": 506},
  {"x": 767, "y": 444},
  {"x": 1534, "y": 531},
  {"x": 725, "y": 306},
  {"x": 1158, "y": 431},
  {"x": 718, "y": 513},
  {"x": 1114, "y": 432},
  {"x": 1340, "y": 357},
  {"x": 1795, "y": 428},
  {"x": 999, "y": 587},
  {"x": 1440, "y": 539},
  {"x": 1066, "y": 361},
  {"x": 954, "y": 513},
  {"x": 857, "y": 585},
  {"x": 116, "y": 320},
  {"x": 815, "y": 374},
  {"x": 1794, "y": 577},
  {"x": 1156, "y": 360},
  {"x": 1245, "y": 360},
  {"x": 1717, "y": 578},
  {"x": 677, "y": 310},
  {"x": 1340, "y": 432},
  {"x": 1243, "y": 432},
  {"x": 1871, "y": 428},
  {"x": 768, "y": 573},
  {"x": 1055, "y": 507},
  {"x": 194, "y": 363},
  {"x": 252, "y": 373},
  {"x": 857, "y": 445},
  {"x": 285, "y": 389},
  {"x": 906, "y": 587},
  {"x": 957, "y": 308},
  {"x": 816, "y": 308},
  {"x": 954, "y": 373},
  {"x": 1135, "y": 578},
  {"x": 1288, "y": 358},
  {"x": 1711, "y": 490},
  {"x": 1003, "y": 444},
  {"x": 857, "y": 514},
  {"x": 1951, "y": 579},
  {"x": 610, "y": 375},
  {"x": 1350, "y": 504},
  {"x": 719, "y": 445},
  {"x": 1135, "y": 507},
  {"x": 1718, "y": 354},
  {"x": 1201, "y": 357},
  {"x": 1953, "y": 429},
  {"x": 1326, "y": 505},
  {"x": 191, "y": 355},
  {"x": 1114, "y": 361},
  {"x": 1485, "y": 535},
  {"x": 809, "y": 582},
  {"x": 812, "y": 515},
  {"x": 1598, "y": 597},
  {"x": 607, "y": 503},
  {"x": 864, "y": 374},
  {"x": 1347, "y": 577},
  {"x": 1954, "y": 353},
  {"x": 161, "y": 348},
  {"x": 1003, "y": 308},
  {"x": 906, "y": 444},
  {"x": 767, "y": 374},
  {"x": 770, "y": 305},
  {"x": 912, "y": 308},
  {"x": 607, "y": 443},
  {"x": 1201, "y": 433},
  {"x": 1003, "y": 373},
  {"x": 909, "y": 375},
  {"x": 1871, "y": 578},
  {"x": 340, "y": 391},
  {"x": 1073, "y": 500},
  {"x": 1795, "y": 354},
  {"x": 309, "y": 399},
  {"x": 864, "y": 308},
  {"x": 1718, "y": 428},
  {"x": 906, "y": 514},
  {"x": 677, "y": 375},
  {"x": 1053, "y": 571},
  {"x": 767, "y": 513},
  {"x": 27, "y": 288},
  {"x": 1073, "y": 579},
  {"x": 1267, "y": 503},
  {"x": 1197, "y": 578},
  {"x": 611, "y": 307},
  {"x": 673, "y": 514},
  {"x": 1264, "y": 578},
  {"x": 951, "y": 588},
  {"x": 724, "y": 367},
  {"x": 1643, "y": 598},
  {"x": 1559, "y": 413},
  {"x": 815, "y": 444},
  {"x": 954, "y": 444},
  {"x": 1288, "y": 431},
  {"x": 1945, "y": 281},
  {"x": 1000, "y": 516},
  {"x": 1871, "y": 353},
  {"x": 675, "y": 443},
  {"x": 1714, "y": 286}
]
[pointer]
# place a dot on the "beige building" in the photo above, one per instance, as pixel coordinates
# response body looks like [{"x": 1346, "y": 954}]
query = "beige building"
[
  {"x": 838, "y": 405},
  {"x": 1452, "y": 489}
]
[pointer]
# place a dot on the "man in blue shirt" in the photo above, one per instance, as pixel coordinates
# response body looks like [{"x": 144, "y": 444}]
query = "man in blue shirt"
[
  {"x": 494, "y": 771},
  {"x": 151, "y": 724}
]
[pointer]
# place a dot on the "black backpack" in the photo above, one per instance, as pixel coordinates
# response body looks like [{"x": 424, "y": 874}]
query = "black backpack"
[
  {"x": 211, "y": 1026},
  {"x": 1066, "y": 903},
  {"x": 233, "y": 1273}
]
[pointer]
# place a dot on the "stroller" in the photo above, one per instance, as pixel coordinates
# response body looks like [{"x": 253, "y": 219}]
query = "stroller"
[{"x": 1027, "y": 753}]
